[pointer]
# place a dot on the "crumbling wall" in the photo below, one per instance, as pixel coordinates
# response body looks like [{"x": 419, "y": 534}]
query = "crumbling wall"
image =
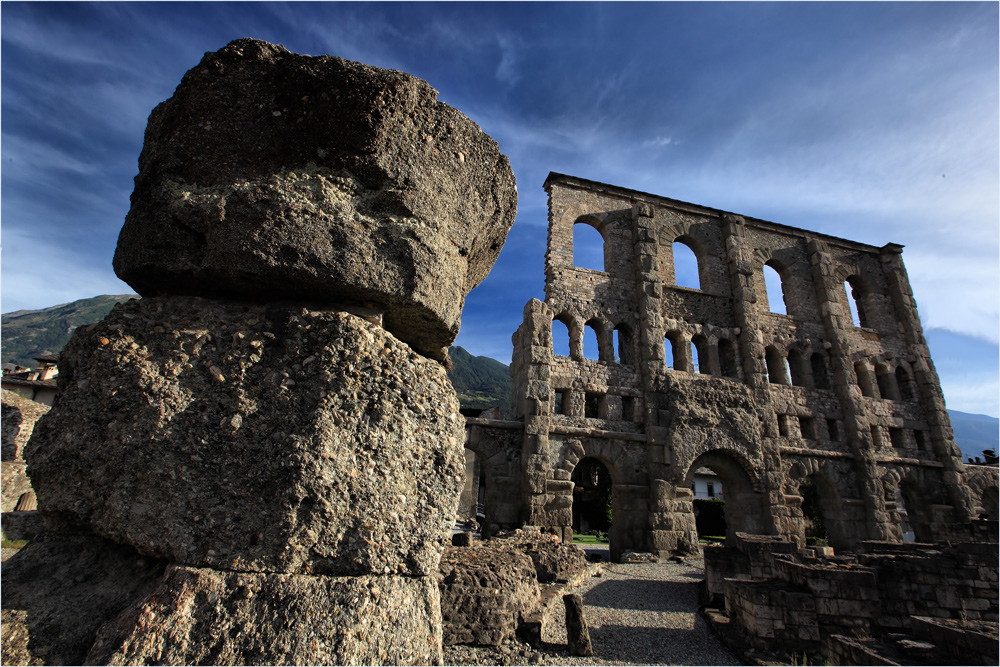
[{"x": 775, "y": 395}]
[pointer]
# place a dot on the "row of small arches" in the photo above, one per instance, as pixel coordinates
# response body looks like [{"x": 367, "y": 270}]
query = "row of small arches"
[
  {"x": 687, "y": 254},
  {"x": 595, "y": 339}
]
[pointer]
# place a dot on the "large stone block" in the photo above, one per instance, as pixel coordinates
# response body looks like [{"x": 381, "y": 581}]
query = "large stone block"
[
  {"x": 279, "y": 175},
  {"x": 252, "y": 438},
  {"x": 486, "y": 592},
  {"x": 198, "y": 616}
]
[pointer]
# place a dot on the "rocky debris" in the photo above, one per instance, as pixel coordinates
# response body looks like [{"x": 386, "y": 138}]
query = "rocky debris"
[
  {"x": 253, "y": 438},
  {"x": 204, "y": 616},
  {"x": 486, "y": 592},
  {"x": 462, "y": 539},
  {"x": 286, "y": 176},
  {"x": 18, "y": 416},
  {"x": 59, "y": 590},
  {"x": 553, "y": 560},
  {"x": 577, "y": 634},
  {"x": 642, "y": 557}
]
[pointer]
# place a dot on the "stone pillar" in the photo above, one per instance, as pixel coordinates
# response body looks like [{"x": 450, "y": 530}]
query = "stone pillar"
[
  {"x": 260, "y": 461},
  {"x": 927, "y": 382},
  {"x": 857, "y": 431},
  {"x": 739, "y": 257}
]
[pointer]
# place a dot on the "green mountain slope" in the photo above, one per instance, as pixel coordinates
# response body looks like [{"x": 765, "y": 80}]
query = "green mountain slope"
[
  {"x": 25, "y": 333},
  {"x": 480, "y": 382}
]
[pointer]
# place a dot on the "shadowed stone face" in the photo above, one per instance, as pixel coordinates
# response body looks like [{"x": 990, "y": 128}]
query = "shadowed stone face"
[{"x": 270, "y": 174}]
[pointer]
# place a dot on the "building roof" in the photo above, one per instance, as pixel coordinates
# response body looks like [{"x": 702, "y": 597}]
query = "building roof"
[{"x": 21, "y": 382}]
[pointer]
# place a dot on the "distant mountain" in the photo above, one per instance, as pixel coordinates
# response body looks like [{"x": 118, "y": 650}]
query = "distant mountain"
[
  {"x": 26, "y": 333},
  {"x": 480, "y": 382},
  {"x": 974, "y": 433}
]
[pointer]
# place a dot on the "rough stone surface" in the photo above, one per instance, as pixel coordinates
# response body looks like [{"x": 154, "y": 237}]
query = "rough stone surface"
[
  {"x": 279, "y": 175},
  {"x": 577, "y": 634},
  {"x": 198, "y": 616},
  {"x": 553, "y": 560},
  {"x": 17, "y": 420},
  {"x": 485, "y": 594},
  {"x": 252, "y": 438},
  {"x": 59, "y": 591}
]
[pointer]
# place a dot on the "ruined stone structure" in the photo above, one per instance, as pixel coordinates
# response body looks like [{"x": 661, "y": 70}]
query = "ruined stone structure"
[
  {"x": 776, "y": 401},
  {"x": 259, "y": 461},
  {"x": 17, "y": 422}
]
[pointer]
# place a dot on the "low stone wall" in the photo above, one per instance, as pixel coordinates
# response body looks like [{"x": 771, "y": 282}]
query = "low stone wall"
[{"x": 788, "y": 599}]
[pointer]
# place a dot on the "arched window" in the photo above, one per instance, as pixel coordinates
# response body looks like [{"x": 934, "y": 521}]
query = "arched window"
[
  {"x": 591, "y": 341},
  {"x": 776, "y": 369},
  {"x": 856, "y": 291},
  {"x": 700, "y": 359},
  {"x": 560, "y": 336},
  {"x": 673, "y": 348},
  {"x": 820, "y": 372},
  {"x": 588, "y": 247},
  {"x": 864, "y": 379},
  {"x": 886, "y": 383},
  {"x": 903, "y": 384},
  {"x": 623, "y": 343},
  {"x": 686, "y": 273},
  {"x": 797, "y": 368},
  {"x": 775, "y": 289},
  {"x": 727, "y": 358}
]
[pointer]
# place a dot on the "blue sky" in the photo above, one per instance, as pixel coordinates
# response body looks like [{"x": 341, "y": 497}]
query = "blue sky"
[{"x": 875, "y": 122}]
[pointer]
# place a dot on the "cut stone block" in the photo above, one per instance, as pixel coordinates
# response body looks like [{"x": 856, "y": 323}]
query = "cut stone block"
[
  {"x": 252, "y": 437},
  {"x": 271, "y": 174}
]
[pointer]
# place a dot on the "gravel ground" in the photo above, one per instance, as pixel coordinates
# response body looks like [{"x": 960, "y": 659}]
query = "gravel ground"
[{"x": 638, "y": 614}]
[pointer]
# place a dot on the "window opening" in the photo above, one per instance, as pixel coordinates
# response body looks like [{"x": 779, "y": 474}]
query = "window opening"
[
  {"x": 921, "y": 439},
  {"x": 855, "y": 294},
  {"x": 775, "y": 290},
  {"x": 775, "y": 366},
  {"x": 903, "y": 384},
  {"x": 897, "y": 438},
  {"x": 727, "y": 358},
  {"x": 592, "y": 406},
  {"x": 783, "y": 426},
  {"x": 685, "y": 266},
  {"x": 700, "y": 356},
  {"x": 672, "y": 350},
  {"x": 821, "y": 377},
  {"x": 623, "y": 344},
  {"x": 832, "y": 429},
  {"x": 807, "y": 427},
  {"x": 591, "y": 345},
  {"x": 797, "y": 368},
  {"x": 864, "y": 379},
  {"x": 588, "y": 247},
  {"x": 628, "y": 408},
  {"x": 560, "y": 338},
  {"x": 710, "y": 488},
  {"x": 559, "y": 402},
  {"x": 886, "y": 383}
]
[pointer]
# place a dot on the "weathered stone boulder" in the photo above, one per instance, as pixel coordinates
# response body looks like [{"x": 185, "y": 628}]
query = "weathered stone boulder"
[
  {"x": 553, "y": 560},
  {"x": 286, "y": 176},
  {"x": 198, "y": 616},
  {"x": 252, "y": 438},
  {"x": 486, "y": 593}
]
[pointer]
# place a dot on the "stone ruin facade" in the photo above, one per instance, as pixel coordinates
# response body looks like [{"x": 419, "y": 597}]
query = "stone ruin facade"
[
  {"x": 775, "y": 401},
  {"x": 259, "y": 461}
]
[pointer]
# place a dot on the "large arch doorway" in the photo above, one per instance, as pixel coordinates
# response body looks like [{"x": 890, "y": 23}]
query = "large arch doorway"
[
  {"x": 822, "y": 514},
  {"x": 742, "y": 503},
  {"x": 593, "y": 492}
]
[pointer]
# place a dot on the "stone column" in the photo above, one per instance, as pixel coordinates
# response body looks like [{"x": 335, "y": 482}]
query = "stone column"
[
  {"x": 928, "y": 384},
  {"x": 857, "y": 431},
  {"x": 739, "y": 257}
]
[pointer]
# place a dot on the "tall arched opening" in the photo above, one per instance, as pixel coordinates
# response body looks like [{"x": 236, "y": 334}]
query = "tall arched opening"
[
  {"x": 823, "y": 515},
  {"x": 743, "y": 506},
  {"x": 592, "y": 497}
]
